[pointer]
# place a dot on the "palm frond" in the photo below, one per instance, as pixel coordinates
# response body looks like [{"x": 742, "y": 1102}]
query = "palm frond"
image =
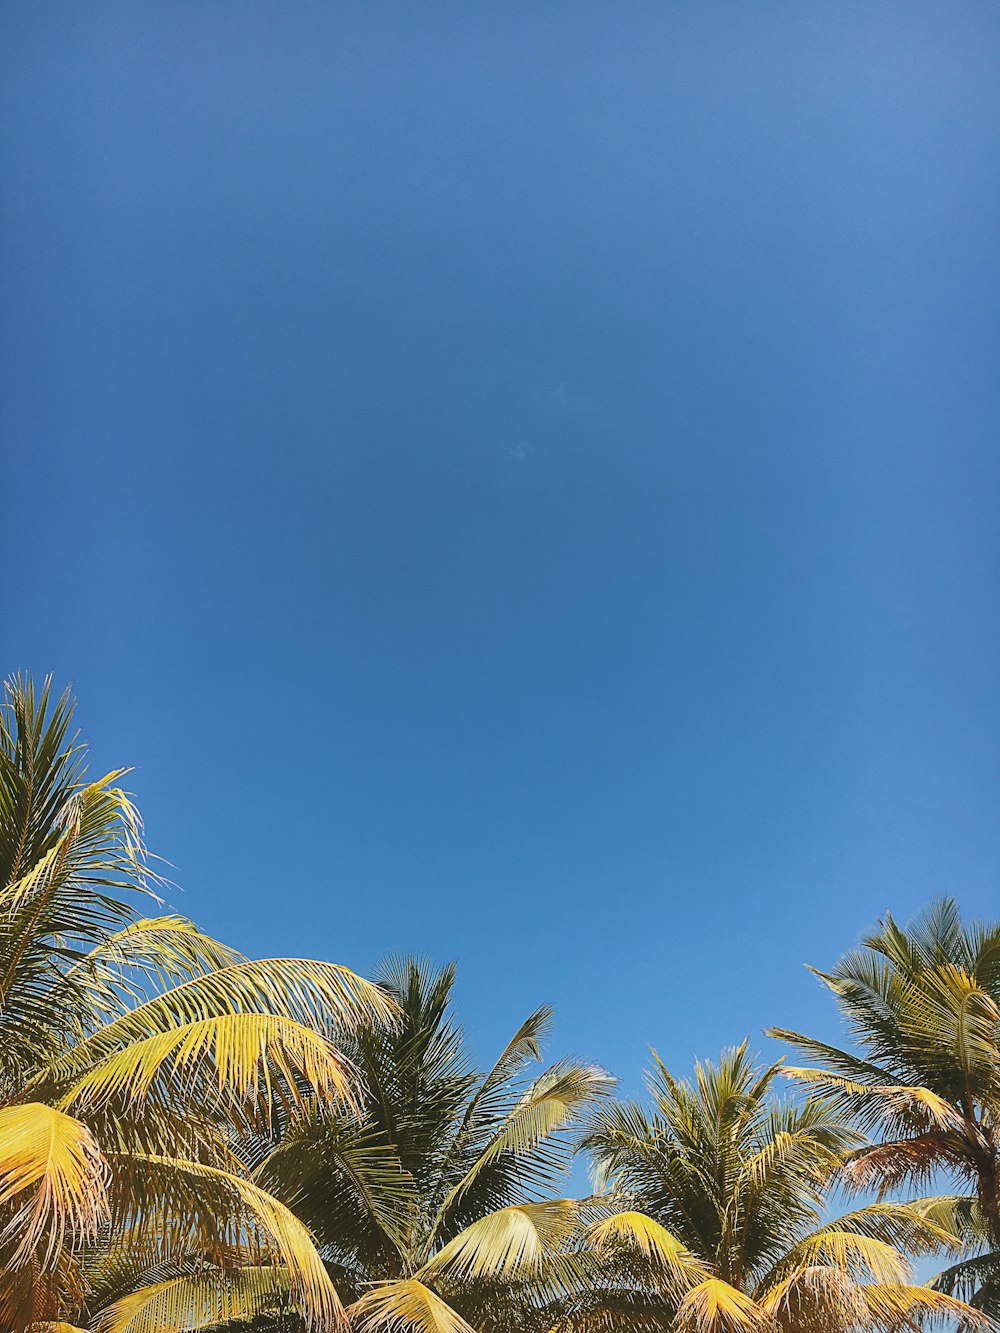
[
  {"x": 230, "y": 1059},
  {"x": 713, "y": 1306},
  {"x": 183, "y": 1206},
  {"x": 407, "y": 1306},
  {"x": 512, "y": 1242},
  {"x": 53, "y": 1176},
  {"x": 531, "y": 1132},
  {"x": 903, "y": 1308},
  {"x": 634, "y": 1231},
  {"x": 198, "y": 1301},
  {"x": 323, "y": 997}
]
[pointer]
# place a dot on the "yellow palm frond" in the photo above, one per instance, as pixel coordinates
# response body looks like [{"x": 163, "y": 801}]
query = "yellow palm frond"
[
  {"x": 53, "y": 1175},
  {"x": 510, "y": 1242},
  {"x": 815, "y": 1297},
  {"x": 169, "y": 949},
  {"x": 714, "y": 1306},
  {"x": 321, "y": 996},
  {"x": 187, "y": 1304},
  {"x": 405, "y": 1307},
  {"x": 185, "y": 1205},
  {"x": 937, "y": 1110},
  {"x": 798, "y": 1147},
  {"x": 636, "y": 1231},
  {"x": 240, "y": 1055},
  {"x": 892, "y": 1309},
  {"x": 852, "y": 1253}
]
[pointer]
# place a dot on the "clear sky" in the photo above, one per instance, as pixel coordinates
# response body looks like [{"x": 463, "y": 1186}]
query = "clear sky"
[{"x": 520, "y": 481}]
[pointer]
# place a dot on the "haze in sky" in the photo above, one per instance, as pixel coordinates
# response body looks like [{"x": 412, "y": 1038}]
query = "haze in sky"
[{"x": 519, "y": 481}]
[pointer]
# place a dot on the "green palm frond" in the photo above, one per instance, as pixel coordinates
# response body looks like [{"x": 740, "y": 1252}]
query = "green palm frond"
[
  {"x": 534, "y": 1133},
  {"x": 344, "y": 1179}
]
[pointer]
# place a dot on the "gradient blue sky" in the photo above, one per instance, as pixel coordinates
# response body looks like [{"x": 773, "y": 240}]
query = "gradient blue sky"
[{"x": 520, "y": 482}]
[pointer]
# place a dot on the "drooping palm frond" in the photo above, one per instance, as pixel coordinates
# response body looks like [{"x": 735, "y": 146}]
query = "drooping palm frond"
[
  {"x": 512, "y": 1242},
  {"x": 641, "y": 1253},
  {"x": 714, "y": 1306},
  {"x": 161, "y": 951},
  {"x": 198, "y": 1301},
  {"x": 406, "y": 1306},
  {"x": 52, "y": 1178},
  {"x": 182, "y": 1206},
  {"x": 229, "y": 1060},
  {"x": 324, "y": 997},
  {"x": 902, "y": 1308}
]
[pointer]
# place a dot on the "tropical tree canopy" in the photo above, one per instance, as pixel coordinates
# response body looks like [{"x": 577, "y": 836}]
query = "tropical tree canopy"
[
  {"x": 433, "y": 1205},
  {"x": 192, "y": 1139},
  {"x": 923, "y": 1006},
  {"x": 134, "y": 1052},
  {"x": 722, "y": 1222}
]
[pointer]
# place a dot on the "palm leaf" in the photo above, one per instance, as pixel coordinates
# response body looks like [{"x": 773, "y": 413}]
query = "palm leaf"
[
  {"x": 635, "y": 1231},
  {"x": 184, "y": 1206},
  {"x": 202, "y": 1300},
  {"x": 405, "y": 1307},
  {"x": 903, "y": 1307},
  {"x": 321, "y": 996},
  {"x": 53, "y": 1175},
  {"x": 549, "y": 1106},
  {"x": 713, "y": 1306},
  {"x": 511, "y": 1242},
  {"x": 227, "y": 1058}
]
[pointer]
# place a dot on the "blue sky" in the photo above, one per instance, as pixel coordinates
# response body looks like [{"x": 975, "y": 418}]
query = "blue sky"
[{"x": 520, "y": 481}]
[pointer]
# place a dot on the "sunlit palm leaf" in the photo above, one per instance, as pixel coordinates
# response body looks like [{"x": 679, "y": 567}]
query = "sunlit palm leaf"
[
  {"x": 226, "y": 1058},
  {"x": 188, "y": 1206},
  {"x": 635, "y": 1231},
  {"x": 861, "y": 1256},
  {"x": 53, "y": 1175},
  {"x": 405, "y": 1307},
  {"x": 907, "y": 1307},
  {"x": 511, "y": 1242},
  {"x": 163, "y": 950},
  {"x": 204, "y": 1300},
  {"x": 531, "y": 1130},
  {"x": 714, "y": 1306}
]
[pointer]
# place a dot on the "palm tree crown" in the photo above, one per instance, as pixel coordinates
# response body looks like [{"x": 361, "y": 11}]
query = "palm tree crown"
[
  {"x": 432, "y": 1206},
  {"x": 133, "y": 1051},
  {"x": 722, "y": 1221},
  {"x": 923, "y": 1006}
]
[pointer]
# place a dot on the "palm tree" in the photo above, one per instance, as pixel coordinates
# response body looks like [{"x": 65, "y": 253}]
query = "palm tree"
[
  {"x": 134, "y": 1050},
  {"x": 923, "y": 1006},
  {"x": 433, "y": 1206},
  {"x": 721, "y": 1191}
]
